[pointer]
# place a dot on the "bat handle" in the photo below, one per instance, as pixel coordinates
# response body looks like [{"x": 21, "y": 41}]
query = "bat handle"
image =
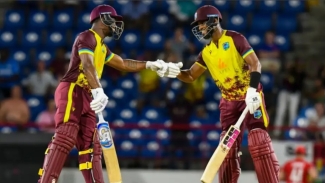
[
  {"x": 241, "y": 118},
  {"x": 100, "y": 117}
]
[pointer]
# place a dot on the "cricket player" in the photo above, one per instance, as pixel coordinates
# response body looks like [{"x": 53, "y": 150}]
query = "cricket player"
[
  {"x": 298, "y": 170},
  {"x": 236, "y": 70},
  {"x": 75, "y": 116}
]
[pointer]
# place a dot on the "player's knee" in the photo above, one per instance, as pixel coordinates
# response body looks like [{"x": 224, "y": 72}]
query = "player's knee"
[
  {"x": 255, "y": 126},
  {"x": 66, "y": 135}
]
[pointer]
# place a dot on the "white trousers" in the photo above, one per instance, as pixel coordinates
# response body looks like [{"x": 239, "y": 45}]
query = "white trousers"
[{"x": 286, "y": 100}]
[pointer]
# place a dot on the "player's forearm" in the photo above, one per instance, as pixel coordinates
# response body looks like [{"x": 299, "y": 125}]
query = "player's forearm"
[
  {"x": 133, "y": 65},
  {"x": 91, "y": 75},
  {"x": 185, "y": 76}
]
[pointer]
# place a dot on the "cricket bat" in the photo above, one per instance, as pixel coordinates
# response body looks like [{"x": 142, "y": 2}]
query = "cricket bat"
[
  {"x": 222, "y": 150},
  {"x": 109, "y": 152}
]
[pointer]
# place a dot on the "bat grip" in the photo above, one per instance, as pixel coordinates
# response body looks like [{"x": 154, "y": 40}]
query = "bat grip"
[
  {"x": 241, "y": 118},
  {"x": 100, "y": 117}
]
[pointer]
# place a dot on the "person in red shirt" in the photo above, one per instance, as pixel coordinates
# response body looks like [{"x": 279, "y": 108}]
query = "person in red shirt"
[{"x": 298, "y": 170}]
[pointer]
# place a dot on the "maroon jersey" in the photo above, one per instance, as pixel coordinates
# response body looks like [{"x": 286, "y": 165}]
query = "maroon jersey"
[{"x": 87, "y": 42}]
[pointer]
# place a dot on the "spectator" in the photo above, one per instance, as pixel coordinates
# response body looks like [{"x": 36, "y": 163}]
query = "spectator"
[
  {"x": 179, "y": 113},
  {"x": 45, "y": 119},
  {"x": 9, "y": 73},
  {"x": 58, "y": 62},
  {"x": 134, "y": 13},
  {"x": 201, "y": 115},
  {"x": 14, "y": 110},
  {"x": 318, "y": 93},
  {"x": 194, "y": 91},
  {"x": 269, "y": 54},
  {"x": 41, "y": 82},
  {"x": 179, "y": 44},
  {"x": 289, "y": 95},
  {"x": 316, "y": 121}
]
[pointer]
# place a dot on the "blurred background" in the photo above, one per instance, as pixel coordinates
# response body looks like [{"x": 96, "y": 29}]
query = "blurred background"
[{"x": 159, "y": 123}]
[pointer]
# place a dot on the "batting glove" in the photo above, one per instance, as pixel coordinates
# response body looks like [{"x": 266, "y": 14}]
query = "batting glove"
[
  {"x": 171, "y": 71},
  {"x": 99, "y": 101},
  {"x": 253, "y": 100},
  {"x": 156, "y": 65}
]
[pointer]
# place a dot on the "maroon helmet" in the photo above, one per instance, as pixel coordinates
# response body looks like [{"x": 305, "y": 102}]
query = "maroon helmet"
[
  {"x": 109, "y": 17},
  {"x": 206, "y": 14}
]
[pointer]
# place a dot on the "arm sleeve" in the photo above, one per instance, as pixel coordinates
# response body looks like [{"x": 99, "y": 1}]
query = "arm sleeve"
[
  {"x": 109, "y": 55},
  {"x": 200, "y": 61},
  {"x": 86, "y": 43},
  {"x": 242, "y": 45}
]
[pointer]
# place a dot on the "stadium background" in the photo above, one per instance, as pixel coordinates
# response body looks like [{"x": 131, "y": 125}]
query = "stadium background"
[{"x": 158, "y": 123}]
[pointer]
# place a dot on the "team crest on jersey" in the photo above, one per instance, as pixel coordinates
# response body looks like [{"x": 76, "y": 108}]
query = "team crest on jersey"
[
  {"x": 257, "y": 114},
  {"x": 226, "y": 46}
]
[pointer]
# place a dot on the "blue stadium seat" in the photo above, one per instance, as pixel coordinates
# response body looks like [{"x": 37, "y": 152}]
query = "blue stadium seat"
[
  {"x": 110, "y": 42},
  {"x": 38, "y": 20},
  {"x": 8, "y": 129},
  {"x": 14, "y": 19},
  {"x": 45, "y": 56},
  {"x": 7, "y": 39},
  {"x": 212, "y": 108},
  {"x": 128, "y": 115},
  {"x": 268, "y": 6},
  {"x": 176, "y": 86},
  {"x": 293, "y": 7},
  {"x": 223, "y": 5},
  {"x": 256, "y": 40},
  {"x": 283, "y": 42},
  {"x": 136, "y": 136},
  {"x": 158, "y": 7},
  {"x": 31, "y": 39},
  {"x": 118, "y": 94},
  {"x": 213, "y": 137},
  {"x": 127, "y": 149},
  {"x": 130, "y": 39},
  {"x": 163, "y": 136},
  {"x": 154, "y": 40},
  {"x": 245, "y": 139},
  {"x": 152, "y": 115},
  {"x": 129, "y": 85},
  {"x": 261, "y": 23},
  {"x": 118, "y": 5},
  {"x": 62, "y": 20},
  {"x": 21, "y": 56},
  {"x": 244, "y": 6},
  {"x": 106, "y": 83},
  {"x": 161, "y": 22},
  {"x": 93, "y": 3},
  {"x": 55, "y": 39},
  {"x": 237, "y": 22},
  {"x": 36, "y": 105},
  {"x": 151, "y": 150},
  {"x": 217, "y": 96},
  {"x": 286, "y": 24},
  {"x": 267, "y": 80},
  {"x": 83, "y": 21}
]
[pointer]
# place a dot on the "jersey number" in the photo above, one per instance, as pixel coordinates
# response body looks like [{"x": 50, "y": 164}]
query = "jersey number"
[{"x": 296, "y": 174}]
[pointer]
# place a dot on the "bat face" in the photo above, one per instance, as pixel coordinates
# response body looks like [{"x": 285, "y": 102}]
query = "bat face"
[
  {"x": 229, "y": 139},
  {"x": 104, "y": 135}
]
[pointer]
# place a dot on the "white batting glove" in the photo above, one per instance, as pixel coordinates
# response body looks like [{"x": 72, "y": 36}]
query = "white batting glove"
[
  {"x": 253, "y": 100},
  {"x": 172, "y": 70},
  {"x": 99, "y": 101},
  {"x": 154, "y": 66}
]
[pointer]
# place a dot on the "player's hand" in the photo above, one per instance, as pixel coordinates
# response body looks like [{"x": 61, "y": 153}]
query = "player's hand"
[
  {"x": 156, "y": 65},
  {"x": 171, "y": 71},
  {"x": 253, "y": 100},
  {"x": 100, "y": 100}
]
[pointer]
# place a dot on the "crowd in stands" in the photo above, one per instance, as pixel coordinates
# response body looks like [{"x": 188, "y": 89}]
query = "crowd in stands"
[{"x": 36, "y": 42}]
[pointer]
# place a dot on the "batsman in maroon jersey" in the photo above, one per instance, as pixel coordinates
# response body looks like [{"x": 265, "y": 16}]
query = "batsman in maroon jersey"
[
  {"x": 75, "y": 116},
  {"x": 236, "y": 71}
]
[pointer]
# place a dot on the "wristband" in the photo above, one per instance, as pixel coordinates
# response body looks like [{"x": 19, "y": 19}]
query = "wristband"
[{"x": 255, "y": 79}]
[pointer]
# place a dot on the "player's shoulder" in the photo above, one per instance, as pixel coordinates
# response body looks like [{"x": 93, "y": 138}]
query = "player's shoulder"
[
  {"x": 86, "y": 36},
  {"x": 234, "y": 34}
]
